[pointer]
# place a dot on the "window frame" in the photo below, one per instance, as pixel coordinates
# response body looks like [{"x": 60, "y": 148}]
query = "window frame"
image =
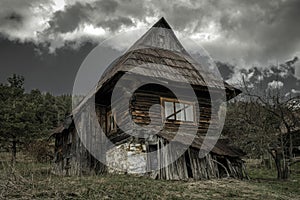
[{"x": 174, "y": 101}]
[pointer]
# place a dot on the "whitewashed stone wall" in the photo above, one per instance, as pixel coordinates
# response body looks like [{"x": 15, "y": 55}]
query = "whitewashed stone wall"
[{"x": 128, "y": 158}]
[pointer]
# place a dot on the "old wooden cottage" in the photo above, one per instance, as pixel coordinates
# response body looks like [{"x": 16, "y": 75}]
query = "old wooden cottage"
[{"x": 157, "y": 54}]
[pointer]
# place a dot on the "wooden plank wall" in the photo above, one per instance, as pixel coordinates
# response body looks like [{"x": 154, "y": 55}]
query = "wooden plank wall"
[
  {"x": 179, "y": 168},
  {"x": 143, "y": 101},
  {"x": 75, "y": 158}
]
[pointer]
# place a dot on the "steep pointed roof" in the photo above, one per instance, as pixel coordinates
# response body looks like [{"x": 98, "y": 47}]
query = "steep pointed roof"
[
  {"x": 162, "y": 23},
  {"x": 159, "y": 36},
  {"x": 159, "y": 54}
]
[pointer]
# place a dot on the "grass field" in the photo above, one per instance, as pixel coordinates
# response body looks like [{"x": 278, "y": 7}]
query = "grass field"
[{"x": 31, "y": 180}]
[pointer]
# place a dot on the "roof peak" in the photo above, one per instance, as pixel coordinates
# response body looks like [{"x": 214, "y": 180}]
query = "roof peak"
[{"x": 162, "y": 23}]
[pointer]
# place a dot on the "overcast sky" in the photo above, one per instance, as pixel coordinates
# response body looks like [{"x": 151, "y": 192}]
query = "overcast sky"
[{"x": 46, "y": 40}]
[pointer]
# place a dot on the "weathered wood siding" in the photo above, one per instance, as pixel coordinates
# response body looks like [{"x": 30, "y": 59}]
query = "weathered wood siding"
[
  {"x": 143, "y": 102},
  {"x": 71, "y": 155}
]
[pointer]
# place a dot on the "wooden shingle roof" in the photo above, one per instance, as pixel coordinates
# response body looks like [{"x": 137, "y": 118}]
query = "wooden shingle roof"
[
  {"x": 166, "y": 59},
  {"x": 163, "y": 64}
]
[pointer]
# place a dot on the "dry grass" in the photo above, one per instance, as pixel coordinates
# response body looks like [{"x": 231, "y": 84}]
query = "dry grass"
[{"x": 29, "y": 180}]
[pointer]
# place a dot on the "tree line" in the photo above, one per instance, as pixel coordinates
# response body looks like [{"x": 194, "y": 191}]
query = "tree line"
[
  {"x": 26, "y": 117},
  {"x": 266, "y": 123}
]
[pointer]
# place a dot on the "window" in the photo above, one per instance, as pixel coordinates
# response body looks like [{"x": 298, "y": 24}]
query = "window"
[
  {"x": 180, "y": 111},
  {"x": 111, "y": 123}
]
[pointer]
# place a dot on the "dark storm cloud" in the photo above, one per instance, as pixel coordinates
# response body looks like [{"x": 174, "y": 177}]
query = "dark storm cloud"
[
  {"x": 271, "y": 27},
  {"x": 115, "y": 24},
  {"x": 248, "y": 30},
  {"x": 99, "y": 13},
  {"x": 12, "y": 20},
  {"x": 106, "y": 6},
  {"x": 20, "y": 20},
  {"x": 226, "y": 70},
  {"x": 53, "y": 73},
  {"x": 69, "y": 19}
]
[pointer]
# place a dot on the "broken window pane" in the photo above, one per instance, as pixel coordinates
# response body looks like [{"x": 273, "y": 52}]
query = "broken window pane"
[
  {"x": 169, "y": 110},
  {"x": 179, "y": 111},
  {"x": 189, "y": 114}
]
